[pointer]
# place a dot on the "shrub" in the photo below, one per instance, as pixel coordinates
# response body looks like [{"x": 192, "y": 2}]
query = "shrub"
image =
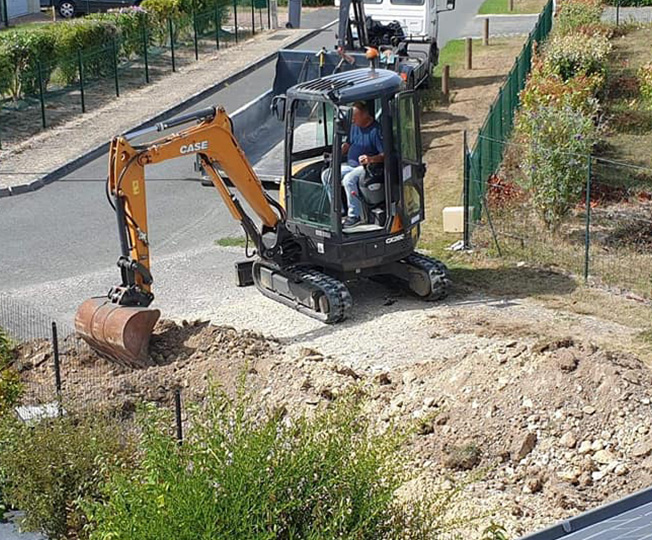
[
  {"x": 644, "y": 76},
  {"x": 159, "y": 11},
  {"x": 554, "y": 164},
  {"x": 11, "y": 388},
  {"x": 49, "y": 466},
  {"x": 93, "y": 38},
  {"x": 577, "y": 92},
  {"x": 5, "y": 72},
  {"x": 575, "y": 13},
  {"x": 22, "y": 49},
  {"x": 129, "y": 23},
  {"x": 574, "y": 54},
  {"x": 242, "y": 476}
]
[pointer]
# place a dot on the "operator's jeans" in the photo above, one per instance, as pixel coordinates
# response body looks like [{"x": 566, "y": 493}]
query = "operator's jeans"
[{"x": 351, "y": 177}]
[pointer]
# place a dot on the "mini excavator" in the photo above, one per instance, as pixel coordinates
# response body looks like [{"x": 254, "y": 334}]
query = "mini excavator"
[{"x": 304, "y": 255}]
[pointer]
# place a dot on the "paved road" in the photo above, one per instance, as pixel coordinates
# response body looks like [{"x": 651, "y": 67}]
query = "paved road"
[{"x": 67, "y": 229}]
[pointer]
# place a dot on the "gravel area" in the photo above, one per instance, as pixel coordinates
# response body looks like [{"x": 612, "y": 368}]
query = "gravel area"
[{"x": 54, "y": 147}]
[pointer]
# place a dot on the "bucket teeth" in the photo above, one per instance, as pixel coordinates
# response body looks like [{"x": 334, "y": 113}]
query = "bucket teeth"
[{"x": 119, "y": 333}]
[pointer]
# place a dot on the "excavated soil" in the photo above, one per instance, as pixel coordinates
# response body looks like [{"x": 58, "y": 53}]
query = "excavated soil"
[{"x": 533, "y": 429}]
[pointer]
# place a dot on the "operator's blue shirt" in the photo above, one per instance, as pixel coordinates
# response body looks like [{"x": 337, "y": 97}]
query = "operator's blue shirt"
[{"x": 364, "y": 141}]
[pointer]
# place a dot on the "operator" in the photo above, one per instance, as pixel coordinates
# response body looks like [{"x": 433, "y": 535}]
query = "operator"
[{"x": 364, "y": 146}]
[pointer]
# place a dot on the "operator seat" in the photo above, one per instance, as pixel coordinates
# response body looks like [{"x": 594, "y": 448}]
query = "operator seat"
[{"x": 372, "y": 193}]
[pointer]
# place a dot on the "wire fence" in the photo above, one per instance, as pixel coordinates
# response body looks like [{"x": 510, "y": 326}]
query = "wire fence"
[
  {"x": 485, "y": 157},
  {"x": 605, "y": 234},
  {"x": 53, "y": 91},
  {"x": 55, "y": 365}
]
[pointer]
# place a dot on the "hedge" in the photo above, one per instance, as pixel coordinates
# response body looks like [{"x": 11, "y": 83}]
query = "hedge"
[{"x": 54, "y": 48}]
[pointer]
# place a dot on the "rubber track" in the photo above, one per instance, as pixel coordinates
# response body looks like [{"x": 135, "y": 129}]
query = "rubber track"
[
  {"x": 440, "y": 282},
  {"x": 337, "y": 293}
]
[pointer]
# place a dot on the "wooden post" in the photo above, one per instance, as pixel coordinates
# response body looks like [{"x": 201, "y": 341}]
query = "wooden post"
[
  {"x": 445, "y": 77},
  {"x": 469, "y": 53},
  {"x": 511, "y": 5},
  {"x": 54, "y": 14},
  {"x": 485, "y": 33}
]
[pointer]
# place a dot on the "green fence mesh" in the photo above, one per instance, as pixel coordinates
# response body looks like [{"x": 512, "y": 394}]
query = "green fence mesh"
[{"x": 487, "y": 153}]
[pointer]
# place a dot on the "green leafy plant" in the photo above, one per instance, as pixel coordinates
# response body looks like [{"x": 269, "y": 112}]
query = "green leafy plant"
[
  {"x": 570, "y": 55},
  {"x": 578, "y": 92},
  {"x": 49, "y": 466},
  {"x": 158, "y": 14},
  {"x": 494, "y": 532},
  {"x": 554, "y": 165},
  {"x": 129, "y": 22},
  {"x": 240, "y": 474},
  {"x": 90, "y": 37},
  {"x": 11, "y": 387},
  {"x": 644, "y": 76},
  {"x": 22, "y": 49},
  {"x": 573, "y": 14}
]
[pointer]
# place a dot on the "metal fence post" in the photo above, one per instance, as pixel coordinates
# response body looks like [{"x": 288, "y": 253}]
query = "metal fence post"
[
  {"x": 235, "y": 19},
  {"x": 80, "y": 65},
  {"x": 41, "y": 93},
  {"x": 194, "y": 34},
  {"x": 177, "y": 415},
  {"x": 171, "y": 30},
  {"x": 587, "y": 232},
  {"x": 114, "y": 48},
  {"x": 269, "y": 16},
  {"x": 145, "y": 47},
  {"x": 57, "y": 365},
  {"x": 467, "y": 195},
  {"x": 216, "y": 17},
  {"x": 500, "y": 130},
  {"x": 618, "y": 13},
  {"x": 253, "y": 18},
  {"x": 5, "y": 13}
]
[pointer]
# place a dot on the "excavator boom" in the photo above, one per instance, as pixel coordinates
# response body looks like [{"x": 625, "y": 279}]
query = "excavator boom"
[{"x": 119, "y": 325}]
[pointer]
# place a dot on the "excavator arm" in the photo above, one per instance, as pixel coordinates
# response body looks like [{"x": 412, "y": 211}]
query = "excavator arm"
[{"x": 120, "y": 326}]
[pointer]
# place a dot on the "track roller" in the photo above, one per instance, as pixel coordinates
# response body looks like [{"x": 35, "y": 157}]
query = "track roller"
[{"x": 305, "y": 289}]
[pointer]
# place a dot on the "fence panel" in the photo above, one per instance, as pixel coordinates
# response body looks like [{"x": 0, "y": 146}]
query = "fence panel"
[{"x": 487, "y": 152}]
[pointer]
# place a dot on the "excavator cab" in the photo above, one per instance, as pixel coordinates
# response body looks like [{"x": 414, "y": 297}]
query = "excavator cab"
[{"x": 318, "y": 123}]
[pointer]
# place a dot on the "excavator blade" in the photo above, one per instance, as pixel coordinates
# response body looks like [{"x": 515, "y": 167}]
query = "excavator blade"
[{"x": 119, "y": 333}]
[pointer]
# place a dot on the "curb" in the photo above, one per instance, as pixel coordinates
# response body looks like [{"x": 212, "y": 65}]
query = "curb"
[{"x": 94, "y": 153}]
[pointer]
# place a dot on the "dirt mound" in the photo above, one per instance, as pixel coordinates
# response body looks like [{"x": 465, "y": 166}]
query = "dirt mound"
[
  {"x": 543, "y": 428},
  {"x": 186, "y": 355}
]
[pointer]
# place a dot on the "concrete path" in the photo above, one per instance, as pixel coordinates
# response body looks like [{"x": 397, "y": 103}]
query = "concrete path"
[{"x": 501, "y": 25}]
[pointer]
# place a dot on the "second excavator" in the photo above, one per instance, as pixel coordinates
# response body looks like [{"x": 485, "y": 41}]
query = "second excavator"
[{"x": 304, "y": 251}]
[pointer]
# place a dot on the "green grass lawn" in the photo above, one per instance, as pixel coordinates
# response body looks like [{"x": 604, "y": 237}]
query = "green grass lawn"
[
  {"x": 231, "y": 241},
  {"x": 499, "y": 7},
  {"x": 452, "y": 54}
]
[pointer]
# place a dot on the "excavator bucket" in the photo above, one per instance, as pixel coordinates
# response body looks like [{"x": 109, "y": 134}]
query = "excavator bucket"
[{"x": 119, "y": 333}]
